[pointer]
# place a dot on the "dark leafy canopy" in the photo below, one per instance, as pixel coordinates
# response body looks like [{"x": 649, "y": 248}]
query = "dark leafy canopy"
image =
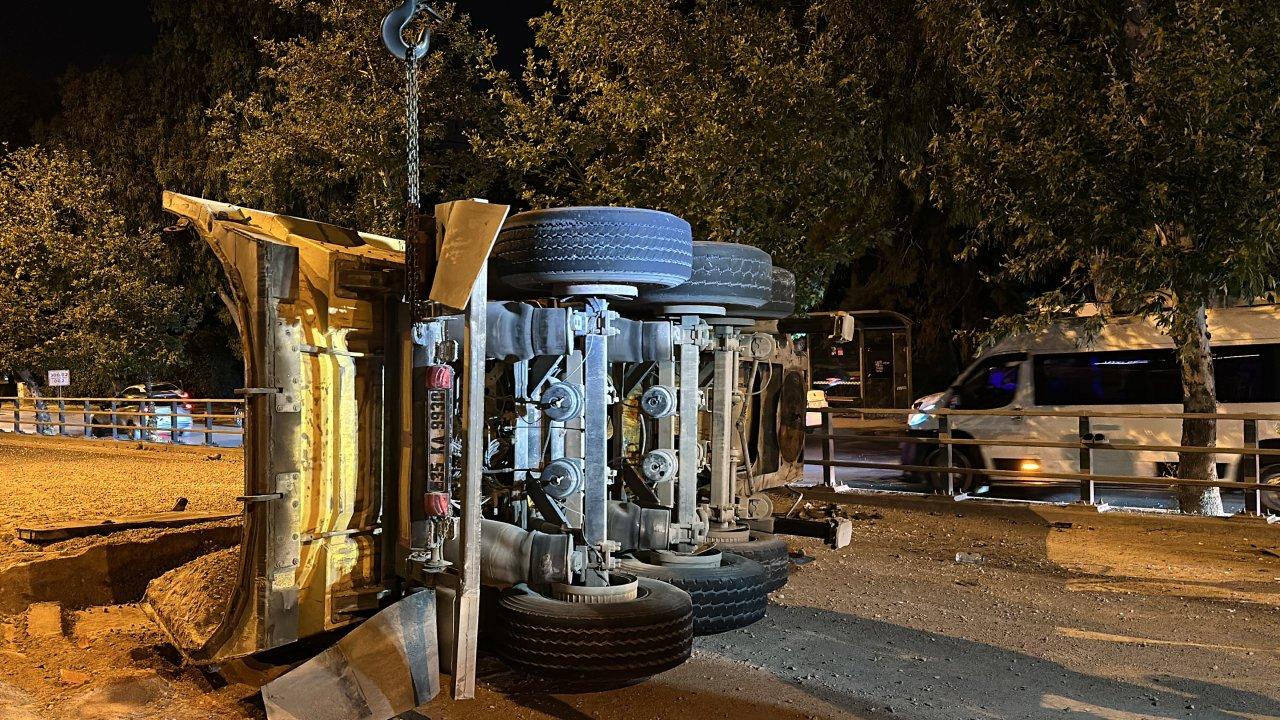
[
  {"x": 914, "y": 265},
  {"x": 323, "y": 135},
  {"x": 148, "y": 120},
  {"x": 78, "y": 289},
  {"x": 736, "y": 116},
  {"x": 1129, "y": 153},
  {"x": 1141, "y": 159}
]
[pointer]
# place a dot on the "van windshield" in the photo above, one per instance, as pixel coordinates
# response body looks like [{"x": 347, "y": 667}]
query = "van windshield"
[{"x": 991, "y": 384}]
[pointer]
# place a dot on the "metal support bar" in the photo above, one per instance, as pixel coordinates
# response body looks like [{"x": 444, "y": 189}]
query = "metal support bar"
[
  {"x": 687, "y": 452},
  {"x": 723, "y": 385},
  {"x": 1251, "y": 467},
  {"x": 467, "y": 627},
  {"x": 666, "y": 490},
  {"x": 595, "y": 441},
  {"x": 1088, "y": 490}
]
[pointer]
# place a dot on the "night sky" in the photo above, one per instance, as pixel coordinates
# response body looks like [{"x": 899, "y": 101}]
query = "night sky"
[{"x": 40, "y": 40}]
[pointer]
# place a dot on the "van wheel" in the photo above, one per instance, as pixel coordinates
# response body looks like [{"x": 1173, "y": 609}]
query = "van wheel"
[
  {"x": 1271, "y": 499},
  {"x": 616, "y": 642},
  {"x": 963, "y": 483}
]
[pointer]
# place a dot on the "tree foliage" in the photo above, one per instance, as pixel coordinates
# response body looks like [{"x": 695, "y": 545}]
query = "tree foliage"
[
  {"x": 147, "y": 119},
  {"x": 1138, "y": 160},
  {"x": 79, "y": 288},
  {"x": 323, "y": 135},
  {"x": 1125, "y": 153},
  {"x": 736, "y": 116}
]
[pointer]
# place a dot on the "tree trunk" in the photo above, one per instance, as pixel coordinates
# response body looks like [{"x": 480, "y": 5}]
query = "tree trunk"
[{"x": 1190, "y": 332}]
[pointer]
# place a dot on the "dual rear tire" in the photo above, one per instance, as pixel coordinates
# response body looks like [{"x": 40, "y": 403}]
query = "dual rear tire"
[
  {"x": 765, "y": 548},
  {"x": 726, "y": 597},
  {"x": 603, "y": 644}
]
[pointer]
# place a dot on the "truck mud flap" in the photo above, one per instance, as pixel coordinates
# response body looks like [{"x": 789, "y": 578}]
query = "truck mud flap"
[{"x": 386, "y": 666}]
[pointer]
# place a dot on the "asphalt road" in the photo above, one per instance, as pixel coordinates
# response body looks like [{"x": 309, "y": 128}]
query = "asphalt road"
[{"x": 879, "y": 479}]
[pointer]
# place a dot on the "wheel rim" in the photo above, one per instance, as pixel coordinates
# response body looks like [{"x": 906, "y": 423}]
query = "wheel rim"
[
  {"x": 621, "y": 588},
  {"x": 938, "y": 479},
  {"x": 1271, "y": 498}
]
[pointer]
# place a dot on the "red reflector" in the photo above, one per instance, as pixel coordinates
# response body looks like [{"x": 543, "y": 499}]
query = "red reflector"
[
  {"x": 436, "y": 504},
  {"x": 439, "y": 377}
]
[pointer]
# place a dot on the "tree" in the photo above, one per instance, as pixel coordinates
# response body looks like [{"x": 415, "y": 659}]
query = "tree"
[
  {"x": 1128, "y": 149},
  {"x": 915, "y": 265},
  {"x": 323, "y": 135},
  {"x": 736, "y": 116},
  {"x": 147, "y": 118},
  {"x": 81, "y": 288}
]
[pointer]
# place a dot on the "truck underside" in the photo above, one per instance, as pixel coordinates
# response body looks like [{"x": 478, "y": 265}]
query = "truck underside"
[{"x": 581, "y": 417}]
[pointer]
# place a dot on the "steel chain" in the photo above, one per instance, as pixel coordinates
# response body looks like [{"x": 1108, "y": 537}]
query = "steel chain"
[{"x": 411, "y": 259}]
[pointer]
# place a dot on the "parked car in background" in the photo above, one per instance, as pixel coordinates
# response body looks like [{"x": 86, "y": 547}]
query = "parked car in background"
[{"x": 161, "y": 413}]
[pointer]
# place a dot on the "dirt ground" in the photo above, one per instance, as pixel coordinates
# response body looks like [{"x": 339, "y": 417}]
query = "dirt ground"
[
  {"x": 49, "y": 479},
  {"x": 1098, "y": 619}
]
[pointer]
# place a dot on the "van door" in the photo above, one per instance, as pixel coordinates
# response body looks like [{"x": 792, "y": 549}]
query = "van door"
[
  {"x": 1146, "y": 381},
  {"x": 992, "y": 383}
]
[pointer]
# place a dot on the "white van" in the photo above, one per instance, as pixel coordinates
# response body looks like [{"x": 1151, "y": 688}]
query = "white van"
[{"x": 1129, "y": 365}]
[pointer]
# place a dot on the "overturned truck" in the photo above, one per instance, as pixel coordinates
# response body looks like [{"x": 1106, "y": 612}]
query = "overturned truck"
[{"x": 566, "y": 417}]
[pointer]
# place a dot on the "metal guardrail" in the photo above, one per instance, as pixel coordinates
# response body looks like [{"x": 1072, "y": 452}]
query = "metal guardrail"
[
  {"x": 1087, "y": 480},
  {"x": 172, "y": 420}
]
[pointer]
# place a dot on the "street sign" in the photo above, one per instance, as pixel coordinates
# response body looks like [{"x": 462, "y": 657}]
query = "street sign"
[{"x": 59, "y": 378}]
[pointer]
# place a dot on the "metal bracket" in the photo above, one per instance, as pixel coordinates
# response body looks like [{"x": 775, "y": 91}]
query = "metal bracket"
[
  {"x": 256, "y": 391},
  {"x": 259, "y": 498}
]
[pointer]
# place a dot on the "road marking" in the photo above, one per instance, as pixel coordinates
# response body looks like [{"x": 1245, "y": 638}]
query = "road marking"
[{"x": 1108, "y": 637}]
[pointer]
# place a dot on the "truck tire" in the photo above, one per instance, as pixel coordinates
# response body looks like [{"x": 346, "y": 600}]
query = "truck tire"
[
  {"x": 725, "y": 598},
  {"x": 593, "y": 246},
  {"x": 615, "y": 642},
  {"x": 729, "y": 275},
  {"x": 768, "y": 550},
  {"x": 782, "y": 299}
]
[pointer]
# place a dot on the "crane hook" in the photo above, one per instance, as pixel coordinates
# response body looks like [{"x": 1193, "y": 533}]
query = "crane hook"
[{"x": 394, "y": 24}]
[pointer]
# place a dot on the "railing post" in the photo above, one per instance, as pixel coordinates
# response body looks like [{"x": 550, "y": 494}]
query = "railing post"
[
  {"x": 1088, "y": 489},
  {"x": 208, "y": 423},
  {"x": 828, "y": 450},
  {"x": 17, "y": 416},
  {"x": 1251, "y": 467},
  {"x": 88, "y": 420},
  {"x": 115, "y": 421},
  {"x": 62, "y": 415},
  {"x": 173, "y": 423},
  {"x": 944, "y": 436}
]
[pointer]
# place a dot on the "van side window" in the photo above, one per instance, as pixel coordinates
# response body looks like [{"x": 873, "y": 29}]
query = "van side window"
[
  {"x": 1247, "y": 373},
  {"x": 1124, "y": 377},
  {"x": 990, "y": 385},
  {"x": 1243, "y": 374}
]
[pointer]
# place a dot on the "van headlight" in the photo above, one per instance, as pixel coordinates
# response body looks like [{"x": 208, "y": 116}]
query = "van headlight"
[{"x": 925, "y": 405}]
